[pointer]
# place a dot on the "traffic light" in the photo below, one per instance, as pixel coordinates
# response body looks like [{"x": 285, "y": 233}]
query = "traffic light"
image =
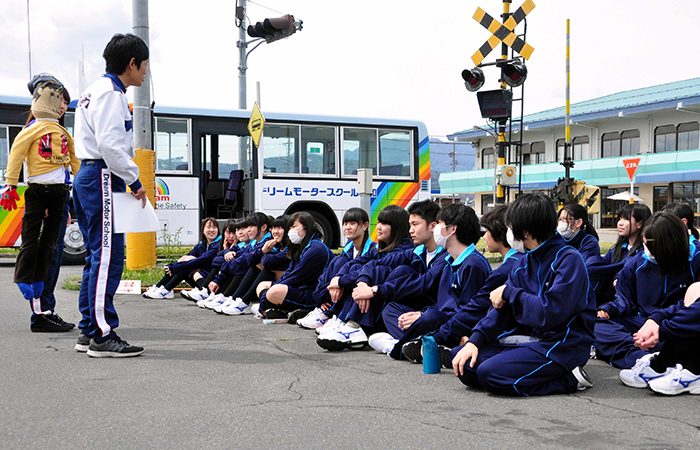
[
  {"x": 514, "y": 73},
  {"x": 274, "y": 29},
  {"x": 473, "y": 79}
]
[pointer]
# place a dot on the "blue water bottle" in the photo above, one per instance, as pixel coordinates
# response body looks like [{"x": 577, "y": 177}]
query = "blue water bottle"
[{"x": 431, "y": 355}]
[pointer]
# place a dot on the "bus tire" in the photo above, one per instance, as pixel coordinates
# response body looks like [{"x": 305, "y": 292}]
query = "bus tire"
[
  {"x": 324, "y": 225},
  {"x": 74, "y": 251}
]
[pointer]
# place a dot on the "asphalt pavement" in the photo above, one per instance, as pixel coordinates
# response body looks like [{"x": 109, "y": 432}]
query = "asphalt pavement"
[{"x": 211, "y": 381}]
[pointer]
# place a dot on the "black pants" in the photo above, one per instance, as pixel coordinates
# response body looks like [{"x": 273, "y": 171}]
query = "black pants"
[
  {"x": 242, "y": 287},
  {"x": 171, "y": 281},
  {"x": 38, "y": 246},
  {"x": 678, "y": 351},
  {"x": 251, "y": 295}
]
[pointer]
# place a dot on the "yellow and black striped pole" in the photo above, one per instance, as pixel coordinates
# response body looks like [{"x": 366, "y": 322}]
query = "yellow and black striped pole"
[{"x": 500, "y": 190}]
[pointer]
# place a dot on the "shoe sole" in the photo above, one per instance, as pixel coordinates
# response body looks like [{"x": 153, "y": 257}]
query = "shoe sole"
[
  {"x": 336, "y": 346},
  {"x": 634, "y": 384},
  {"x": 297, "y": 315},
  {"x": 52, "y": 330},
  {"x": 237, "y": 313},
  {"x": 99, "y": 354},
  {"x": 81, "y": 348}
]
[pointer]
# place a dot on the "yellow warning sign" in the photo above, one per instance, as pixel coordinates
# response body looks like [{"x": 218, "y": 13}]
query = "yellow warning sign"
[{"x": 256, "y": 124}]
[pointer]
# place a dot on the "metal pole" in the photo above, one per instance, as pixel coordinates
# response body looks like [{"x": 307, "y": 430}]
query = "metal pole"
[
  {"x": 141, "y": 247},
  {"x": 29, "y": 41},
  {"x": 500, "y": 190},
  {"x": 567, "y": 143},
  {"x": 241, "y": 55}
]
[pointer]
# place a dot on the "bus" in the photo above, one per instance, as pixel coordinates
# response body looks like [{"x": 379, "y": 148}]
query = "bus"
[{"x": 207, "y": 166}]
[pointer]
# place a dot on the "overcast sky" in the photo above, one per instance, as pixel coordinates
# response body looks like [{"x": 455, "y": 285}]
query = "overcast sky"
[{"x": 380, "y": 58}]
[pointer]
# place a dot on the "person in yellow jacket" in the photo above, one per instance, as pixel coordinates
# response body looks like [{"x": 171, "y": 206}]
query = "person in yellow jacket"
[{"x": 48, "y": 150}]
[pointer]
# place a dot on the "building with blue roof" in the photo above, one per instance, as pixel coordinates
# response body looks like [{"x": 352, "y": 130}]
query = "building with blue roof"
[{"x": 659, "y": 124}]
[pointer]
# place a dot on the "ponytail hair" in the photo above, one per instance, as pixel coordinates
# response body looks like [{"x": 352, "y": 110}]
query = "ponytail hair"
[
  {"x": 579, "y": 212},
  {"x": 683, "y": 211}
]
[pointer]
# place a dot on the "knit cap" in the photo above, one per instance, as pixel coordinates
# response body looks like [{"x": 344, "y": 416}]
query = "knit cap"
[{"x": 46, "y": 102}]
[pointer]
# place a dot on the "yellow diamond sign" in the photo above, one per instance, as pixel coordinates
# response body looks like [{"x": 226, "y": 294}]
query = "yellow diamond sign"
[{"x": 256, "y": 124}]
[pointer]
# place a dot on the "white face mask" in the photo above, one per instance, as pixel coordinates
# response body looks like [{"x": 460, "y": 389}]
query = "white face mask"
[
  {"x": 564, "y": 230},
  {"x": 516, "y": 245},
  {"x": 648, "y": 254},
  {"x": 440, "y": 240},
  {"x": 294, "y": 236}
]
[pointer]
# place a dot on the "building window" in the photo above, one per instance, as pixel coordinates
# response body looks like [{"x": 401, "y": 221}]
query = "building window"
[
  {"x": 537, "y": 153},
  {"x": 582, "y": 148},
  {"x": 487, "y": 159},
  {"x": 688, "y": 136},
  {"x": 610, "y": 208},
  {"x": 630, "y": 142},
  {"x": 660, "y": 197},
  {"x": 486, "y": 203},
  {"x": 665, "y": 139},
  {"x": 561, "y": 145},
  {"x": 611, "y": 145},
  {"x": 687, "y": 193}
]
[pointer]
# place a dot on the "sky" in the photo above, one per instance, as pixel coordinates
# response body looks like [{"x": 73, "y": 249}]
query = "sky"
[{"x": 382, "y": 58}]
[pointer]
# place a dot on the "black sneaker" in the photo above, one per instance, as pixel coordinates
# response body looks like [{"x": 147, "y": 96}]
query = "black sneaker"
[
  {"x": 51, "y": 323},
  {"x": 274, "y": 313},
  {"x": 113, "y": 348},
  {"x": 445, "y": 359},
  {"x": 411, "y": 351},
  {"x": 298, "y": 314},
  {"x": 83, "y": 343}
]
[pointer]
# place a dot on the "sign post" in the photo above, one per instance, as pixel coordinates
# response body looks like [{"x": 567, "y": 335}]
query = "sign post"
[{"x": 631, "y": 165}]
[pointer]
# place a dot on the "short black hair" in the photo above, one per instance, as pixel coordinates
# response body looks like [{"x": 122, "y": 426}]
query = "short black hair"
[
  {"x": 119, "y": 51},
  {"x": 358, "y": 215},
  {"x": 495, "y": 222},
  {"x": 534, "y": 213},
  {"x": 667, "y": 240},
  {"x": 683, "y": 211},
  {"x": 258, "y": 219},
  {"x": 238, "y": 224},
  {"x": 426, "y": 209},
  {"x": 282, "y": 222},
  {"x": 397, "y": 218},
  {"x": 468, "y": 228},
  {"x": 203, "y": 237}
]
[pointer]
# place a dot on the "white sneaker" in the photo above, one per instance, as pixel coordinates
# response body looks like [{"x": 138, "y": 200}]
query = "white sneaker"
[
  {"x": 343, "y": 337},
  {"x": 255, "y": 310},
  {"x": 202, "y": 302},
  {"x": 331, "y": 325},
  {"x": 226, "y": 303},
  {"x": 162, "y": 292},
  {"x": 198, "y": 294},
  {"x": 382, "y": 342},
  {"x": 216, "y": 301},
  {"x": 584, "y": 381},
  {"x": 149, "y": 291},
  {"x": 236, "y": 308},
  {"x": 641, "y": 374},
  {"x": 313, "y": 320},
  {"x": 677, "y": 381}
]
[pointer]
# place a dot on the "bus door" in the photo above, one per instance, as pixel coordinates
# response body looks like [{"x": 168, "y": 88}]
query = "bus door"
[{"x": 225, "y": 157}]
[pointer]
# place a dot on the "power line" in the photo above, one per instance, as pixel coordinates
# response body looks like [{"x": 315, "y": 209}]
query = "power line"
[{"x": 266, "y": 7}]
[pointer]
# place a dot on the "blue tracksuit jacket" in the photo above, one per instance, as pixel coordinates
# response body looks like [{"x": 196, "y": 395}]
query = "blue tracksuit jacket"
[
  {"x": 204, "y": 255},
  {"x": 304, "y": 274},
  {"x": 549, "y": 297},
  {"x": 349, "y": 272},
  {"x": 462, "y": 323},
  {"x": 277, "y": 259},
  {"x": 239, "y": 265},
  {"x": 602, "y": 272},
  {"x": 585, "y": 243},
  {"x": 348, "y": 254}
]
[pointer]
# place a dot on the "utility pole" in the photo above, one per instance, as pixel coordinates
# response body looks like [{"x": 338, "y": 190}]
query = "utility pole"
[
  {"x": 141, "y": 247},
  {"x": 242, "y": 46}
]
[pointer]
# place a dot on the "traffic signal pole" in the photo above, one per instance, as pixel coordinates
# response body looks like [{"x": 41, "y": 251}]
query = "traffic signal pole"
[
  {"x": 240, "y": 15},
  {"x": 500, "y": 189}
]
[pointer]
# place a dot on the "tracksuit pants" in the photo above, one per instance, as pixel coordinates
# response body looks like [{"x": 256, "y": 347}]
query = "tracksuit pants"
[
  {"x": 516, "y": 370},
  {"x": 430, "y": 320},
  {"x": 92, "y": 195},
  {"x": 614, "y": 342}
]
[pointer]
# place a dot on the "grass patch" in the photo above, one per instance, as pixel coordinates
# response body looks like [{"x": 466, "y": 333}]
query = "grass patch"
[{"x": 9, "y": 251}]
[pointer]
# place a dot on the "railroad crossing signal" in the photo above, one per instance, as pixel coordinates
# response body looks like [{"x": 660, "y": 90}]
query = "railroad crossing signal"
[{"x": 503, "y": 32}]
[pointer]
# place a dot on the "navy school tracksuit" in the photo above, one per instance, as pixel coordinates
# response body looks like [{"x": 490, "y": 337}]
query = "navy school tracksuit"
[
  {"x": 678, "y": 329},
  {"x": 585, "y": 243},
  {"x": 204, "y": 255},
  {"x": 348, "y": 254},
  {"x": 301, "y": 277},
  {"x": 602, "y": 271},
  {"x": 549, "y": 299},
  {"x": 456, "y": 281},
  {"x": 346, "y": 308},
  {"x": 276, "y": 260},
  {"x": 463, "y": 322},
  {"x": 639, "y": 293},
  {"x": 238, "y": 266}
]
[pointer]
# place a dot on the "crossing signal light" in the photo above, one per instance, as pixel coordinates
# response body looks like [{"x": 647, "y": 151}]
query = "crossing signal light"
[
  {"x": 274, "y": 29},
  {"x": 473, "y": 79},
  {"x": 514, "y": 73}
]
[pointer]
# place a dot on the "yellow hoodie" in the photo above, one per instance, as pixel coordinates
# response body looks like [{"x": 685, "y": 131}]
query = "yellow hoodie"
[{"x": 46, "y": 146}]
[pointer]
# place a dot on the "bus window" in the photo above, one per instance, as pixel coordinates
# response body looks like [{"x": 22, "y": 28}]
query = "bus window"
[
  {"x": 359, "y": 150},
  {"x": 318, "y": 150},
  {"x": 229, "y": 154},
  {"x": 69, "y": 122},
  {"x": 172, "y": 145},
  {"x": 394, "y": 153},
  {"x": 4, "y": 152},
  {"x": 281, "y": 147}
]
